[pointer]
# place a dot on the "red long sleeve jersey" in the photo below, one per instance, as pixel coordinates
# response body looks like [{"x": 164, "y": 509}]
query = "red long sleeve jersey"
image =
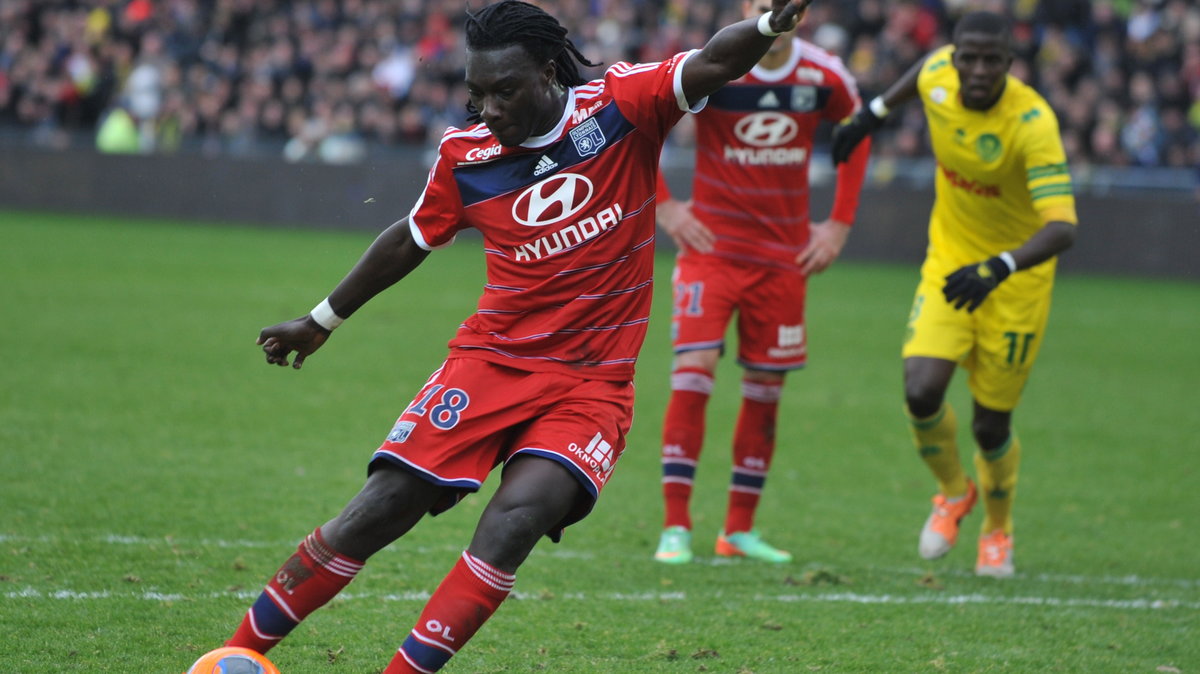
[
  {"x": 753, "y": 144},
  {"x": 568, "y": 225}
]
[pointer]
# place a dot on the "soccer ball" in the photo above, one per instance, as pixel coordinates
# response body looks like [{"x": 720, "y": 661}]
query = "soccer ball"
[{"x": 233, "y": 660}]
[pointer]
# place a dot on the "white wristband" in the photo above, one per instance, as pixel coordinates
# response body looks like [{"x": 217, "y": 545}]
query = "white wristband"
[
  {"x": 1008, "y": 260},
  {"x": 324, "y": 316},
  {"x": 764, "y": 25},
  {"x": 878, "y": 107}
]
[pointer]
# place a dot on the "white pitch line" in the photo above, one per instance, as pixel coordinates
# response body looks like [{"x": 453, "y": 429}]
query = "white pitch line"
[
  {"x": 1077, "y": 579},
  {"x": 831, "y": 597},
  {"x": 556, "y": 552}
]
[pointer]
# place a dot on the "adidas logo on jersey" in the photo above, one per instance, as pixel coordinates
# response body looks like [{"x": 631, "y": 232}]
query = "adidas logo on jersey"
[
  {"x": 544, "y": 164},
  {"x": 769, "y": 100}
]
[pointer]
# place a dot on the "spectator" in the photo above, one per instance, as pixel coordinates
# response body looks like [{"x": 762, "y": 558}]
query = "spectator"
[
  {"x": 118, "y": 133},
  {"x": 399, "y": 65}
]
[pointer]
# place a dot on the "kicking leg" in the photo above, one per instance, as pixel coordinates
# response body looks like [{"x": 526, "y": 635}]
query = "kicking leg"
[{"x": 389, "y": 504}]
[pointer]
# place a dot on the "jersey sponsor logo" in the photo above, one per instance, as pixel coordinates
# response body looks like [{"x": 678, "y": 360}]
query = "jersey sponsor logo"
[
  {"x": 482, "y": 153},
  {"x": 790, "y": 352},
  {"x": 766, "y": 156},
  {"x": 938, "y": 94},
  {"x": 570, "y": 236},
  {"x": 971, "y": 186},
  {"x": 598, "y": 456},
  {"x": 544, "y": 164},
  {"x": 804, "y": 99},
  {"x": 811, "y": 74},
  {"x": 552, "y": 200},
  {"x": 790, "y": 335},
  {"x": 583, "y": 113},
  {"x": 766, "y": 129},
  {"x": 588, "y": 137}
]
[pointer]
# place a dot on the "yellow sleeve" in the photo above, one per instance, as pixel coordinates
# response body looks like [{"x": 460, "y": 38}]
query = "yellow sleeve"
[
  {"x": 937, "y": 64},
  {"x": 1047, "y": 174}
]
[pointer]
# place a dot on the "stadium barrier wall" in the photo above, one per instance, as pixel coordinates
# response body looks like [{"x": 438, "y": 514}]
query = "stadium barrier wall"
[{"x": 1142, "y": 233}]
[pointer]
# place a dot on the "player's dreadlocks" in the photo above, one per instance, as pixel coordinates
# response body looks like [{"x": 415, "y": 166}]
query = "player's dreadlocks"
[{"x": 512, "y": 22}]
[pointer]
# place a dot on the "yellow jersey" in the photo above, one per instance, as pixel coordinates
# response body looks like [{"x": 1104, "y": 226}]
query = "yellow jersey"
[{"x": 1001, "y": 172}]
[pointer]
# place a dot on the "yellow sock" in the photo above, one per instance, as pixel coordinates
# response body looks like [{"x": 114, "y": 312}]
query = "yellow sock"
[
  {"x": 998, "y": 484},
  {"x": 936, "y": 438}
]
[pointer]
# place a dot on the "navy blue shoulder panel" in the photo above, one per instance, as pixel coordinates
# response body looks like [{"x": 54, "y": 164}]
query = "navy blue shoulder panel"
[
  {"x": 784, "y": 97},
  {"x": 479, "y": 182}
]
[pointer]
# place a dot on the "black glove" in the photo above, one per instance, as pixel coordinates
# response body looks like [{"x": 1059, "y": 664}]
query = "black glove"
[
  {"x": 970, "y": 285},
  {"x": 848, "y": 135}
]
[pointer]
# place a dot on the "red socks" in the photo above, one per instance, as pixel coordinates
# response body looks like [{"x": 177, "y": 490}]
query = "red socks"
[
  {"x": 753, "y": 448},
  {"x": 467, "y": 597},
  {"x": 683, "y": 438},
  {"x": 304, "y": 583}
]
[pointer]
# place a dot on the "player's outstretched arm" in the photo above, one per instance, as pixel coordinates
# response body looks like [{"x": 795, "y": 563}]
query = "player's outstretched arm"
[
  {"x": 850, "y": 133},
  {"x": 389, "y": 258},
  {"x": 734, "y": 50}
]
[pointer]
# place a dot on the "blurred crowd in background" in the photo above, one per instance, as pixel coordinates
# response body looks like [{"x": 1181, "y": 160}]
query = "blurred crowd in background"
[{"x": 341, "y": 80}]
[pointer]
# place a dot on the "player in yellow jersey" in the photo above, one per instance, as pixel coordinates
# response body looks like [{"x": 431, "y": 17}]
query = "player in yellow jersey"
[{"x": 1004, "y": 210}]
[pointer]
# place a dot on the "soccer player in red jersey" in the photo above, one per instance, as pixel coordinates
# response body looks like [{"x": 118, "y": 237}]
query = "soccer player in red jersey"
[
  {"x": 746, "y": 245},
  {"x": 559, "y": 178}
]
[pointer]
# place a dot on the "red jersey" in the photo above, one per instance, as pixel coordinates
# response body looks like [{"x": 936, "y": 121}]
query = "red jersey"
[
  {"x": 568, "y": 225},
  {"x": 753, "y": 144}
]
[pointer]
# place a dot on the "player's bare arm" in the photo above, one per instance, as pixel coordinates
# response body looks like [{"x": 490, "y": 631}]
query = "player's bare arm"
[
  {"x": 969, "y": 286},
  {"x": 1051, "y": 240},
  {"x": 388, "y": 259},
  {"x": 734, "y": 50},
  {"x": 849, "y": 134},
  {"x": 825, "y": 242}
]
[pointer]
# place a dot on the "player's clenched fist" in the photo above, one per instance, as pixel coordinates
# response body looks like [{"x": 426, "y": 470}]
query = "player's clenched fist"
[
  {"x": 970, "y": 285},
  {"x": 302, "y": 335},
  {"x": 848, "y": 135},
  {"x": 785, "y": 14}
]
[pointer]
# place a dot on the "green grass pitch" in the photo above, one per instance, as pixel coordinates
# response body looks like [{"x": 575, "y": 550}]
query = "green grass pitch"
[{"x": 154, "y": 472}]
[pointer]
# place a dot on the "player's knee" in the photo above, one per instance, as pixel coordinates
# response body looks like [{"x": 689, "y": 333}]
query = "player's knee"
[
  {"x": 922, "y": 399},
  {"x": 701, "y": 359},
  {"x": 389, "y": 502},
  {"x": 990, "y": 433},
  {"x": 508, "y": 532}
]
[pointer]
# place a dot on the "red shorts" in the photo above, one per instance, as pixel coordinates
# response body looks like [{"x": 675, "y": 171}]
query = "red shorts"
[
  {"x": 473, "y": 415},
  {"x": 769, "y": 303}
]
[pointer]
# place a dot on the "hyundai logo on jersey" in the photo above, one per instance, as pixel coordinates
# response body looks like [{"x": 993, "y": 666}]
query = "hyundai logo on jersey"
[
  {"x": 766, "y": 129},
  {"x": 551, "y": 200}
]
